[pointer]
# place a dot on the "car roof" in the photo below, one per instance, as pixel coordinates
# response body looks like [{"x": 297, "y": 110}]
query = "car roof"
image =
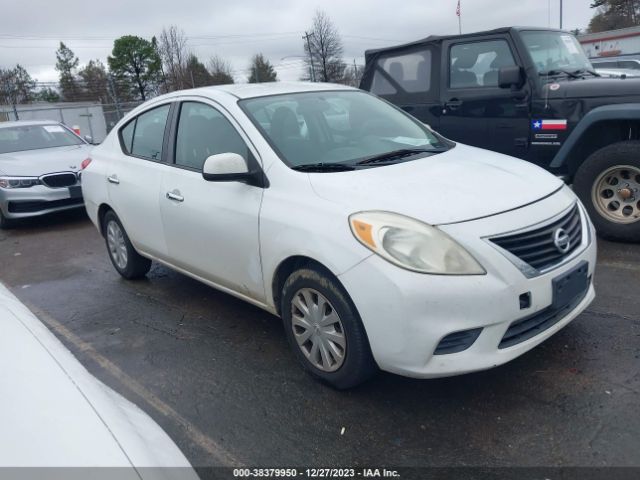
[
  {"x": 253, "y": 90},
  {"x": 26, "y": 123},
  {"x": 440, "y": 38}
]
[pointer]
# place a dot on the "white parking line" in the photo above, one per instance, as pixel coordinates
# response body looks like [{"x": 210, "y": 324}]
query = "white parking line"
[{"x": 197, "y": 436}]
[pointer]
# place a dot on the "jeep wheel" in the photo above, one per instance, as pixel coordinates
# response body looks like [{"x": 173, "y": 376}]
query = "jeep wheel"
[{"x": 608, "y": 183}]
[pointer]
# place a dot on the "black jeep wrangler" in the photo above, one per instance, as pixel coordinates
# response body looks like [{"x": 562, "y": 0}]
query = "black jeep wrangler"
[{"x": 533, "y": 94}]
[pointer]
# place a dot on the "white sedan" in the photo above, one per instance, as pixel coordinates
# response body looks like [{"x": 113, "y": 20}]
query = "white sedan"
[{"x": 379, "y": 243}]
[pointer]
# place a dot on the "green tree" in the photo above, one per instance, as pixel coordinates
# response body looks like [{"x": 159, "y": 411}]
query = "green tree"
[
  {"x": 220, "y": 71},
  {"x": 47, "y": 94},
  {"x": 135, "y": 61},
  {"x": 614, "y": 14},
  {"x": 16, "y": 86},
  {"x": 66, "y": 64},
  {"x": 94, "y": 81},
  {"x": 261, "y": 70},
  {"x": 196, "y": 73}
]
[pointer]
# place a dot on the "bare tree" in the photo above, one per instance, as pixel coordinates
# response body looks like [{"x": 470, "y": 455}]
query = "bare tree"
[
  {"x": 323, "y": 47},
  {"x": 172, "y": 48},
  {"x": 220, "y": 70}
]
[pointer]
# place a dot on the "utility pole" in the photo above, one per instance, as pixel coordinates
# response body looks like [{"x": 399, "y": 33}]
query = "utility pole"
[
  {"x": 114, "y": 95},
  {"x": 355, "y": 73},
  {"x": 560, "y": 14},
  {"x": 313, "y": 70}
]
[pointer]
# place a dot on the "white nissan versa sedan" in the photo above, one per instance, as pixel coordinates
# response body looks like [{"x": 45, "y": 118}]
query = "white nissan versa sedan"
[{"x": 378, "y": 242}]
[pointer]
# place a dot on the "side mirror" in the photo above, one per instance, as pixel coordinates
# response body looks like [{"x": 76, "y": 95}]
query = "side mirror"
[
  {"x": 231, "y": 167},
  {"x": 88, "y": 139},
  {"x": 510, "y": 77}
]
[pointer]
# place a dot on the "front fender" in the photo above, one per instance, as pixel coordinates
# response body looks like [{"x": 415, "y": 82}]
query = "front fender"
[{"x": 621, "y": 111}]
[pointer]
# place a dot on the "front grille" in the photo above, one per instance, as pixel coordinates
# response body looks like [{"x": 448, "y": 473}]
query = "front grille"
[
  {"x": 528, "y": 327},
  {"x": 39, "y": 205},
  {"x": 59, "y": 180},
  {"x": 457, "y": 342},
  {"x": 537, "y": 248}
]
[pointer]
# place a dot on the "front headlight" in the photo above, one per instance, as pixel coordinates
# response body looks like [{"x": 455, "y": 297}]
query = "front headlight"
[
  {"x": 412, "y": 244},
  {"x": 18, "y": 182}
]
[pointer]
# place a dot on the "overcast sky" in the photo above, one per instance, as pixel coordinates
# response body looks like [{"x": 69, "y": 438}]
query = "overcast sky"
[{"x": 236, "y": 29}]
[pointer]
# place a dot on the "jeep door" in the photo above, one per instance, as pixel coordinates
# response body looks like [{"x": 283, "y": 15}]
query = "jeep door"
[
  {"x": 408, "y": 78},
  {"x": 475, "y": 110}
]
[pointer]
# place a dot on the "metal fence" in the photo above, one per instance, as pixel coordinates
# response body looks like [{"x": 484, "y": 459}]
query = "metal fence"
[{"x": 93, "y": 119}]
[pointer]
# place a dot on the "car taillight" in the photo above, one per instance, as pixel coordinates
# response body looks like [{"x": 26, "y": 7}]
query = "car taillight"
[{"x": 85, "y": 163}]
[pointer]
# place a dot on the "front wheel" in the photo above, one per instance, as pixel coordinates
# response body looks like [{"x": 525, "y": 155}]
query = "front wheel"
[
  {"x": 608, "y": 183},
  {"x": 324, "y": 329},
  {"x": 124, "y": 257}
]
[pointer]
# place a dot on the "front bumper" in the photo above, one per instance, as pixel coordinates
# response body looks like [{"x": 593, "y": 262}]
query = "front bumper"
[
  {"x": 37, "y": 200},
  {"x": 407, "y": 314}
]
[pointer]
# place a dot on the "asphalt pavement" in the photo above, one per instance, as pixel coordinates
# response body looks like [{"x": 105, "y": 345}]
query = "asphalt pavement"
[{"x": 218, "y": 376}]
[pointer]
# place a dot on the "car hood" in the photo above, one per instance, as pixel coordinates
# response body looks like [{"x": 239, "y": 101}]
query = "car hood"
[
  {"x": 461, "y": 184},
  {"x": 590, "y": 87},
  {"x": 55, "y": 414},
  {"x": 33, "y": 163}
]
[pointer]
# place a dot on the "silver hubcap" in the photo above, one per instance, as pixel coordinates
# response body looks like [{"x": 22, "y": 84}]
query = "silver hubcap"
[
  {"x": 616, "y": 194},
  {"x": 117, "y": 245},
  {"x": 318, "y": 330}
]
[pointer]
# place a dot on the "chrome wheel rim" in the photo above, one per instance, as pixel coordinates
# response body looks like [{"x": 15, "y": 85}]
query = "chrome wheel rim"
[
  {"x": 616, "y": 194},
  {"x": 117, "y": 245},
  {"x": 318, "y": 330}
]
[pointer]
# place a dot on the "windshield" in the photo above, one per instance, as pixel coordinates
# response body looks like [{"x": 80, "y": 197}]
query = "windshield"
[
  {"x": 555, "y": 52},
  {"x": 35, "y": 137},
  {"x": 338, "y": 128}
]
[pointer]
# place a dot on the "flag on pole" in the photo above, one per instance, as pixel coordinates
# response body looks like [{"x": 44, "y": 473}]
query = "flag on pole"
[{"x": 458, "y": 9}]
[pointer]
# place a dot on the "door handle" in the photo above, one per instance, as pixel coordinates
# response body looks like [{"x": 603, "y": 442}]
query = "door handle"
[
  {"x": 453, "y": 104},
  {"x": 113, "y": 179},
  {"x": 175, "y": 195}
]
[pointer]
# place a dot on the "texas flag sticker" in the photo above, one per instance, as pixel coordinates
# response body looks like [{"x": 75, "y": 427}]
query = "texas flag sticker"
[{"x": 549, "y": 124}]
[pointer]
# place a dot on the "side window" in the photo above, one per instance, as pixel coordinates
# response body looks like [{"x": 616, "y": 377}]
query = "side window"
[
  {"x": 143, "y": 136},
  {"x": 203, "y": 131},
  {"x": 411, "y": 72},
  {"x": 476, "y": 65},
  {"x": 149, "y": 133},
  {"x": 127, "y": 135}
]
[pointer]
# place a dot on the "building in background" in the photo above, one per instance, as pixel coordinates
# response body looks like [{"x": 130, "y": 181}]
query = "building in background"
[{"x": 612, "y": 43}]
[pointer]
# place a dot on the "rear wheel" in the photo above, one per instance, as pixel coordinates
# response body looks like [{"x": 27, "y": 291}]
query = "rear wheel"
[
  {"x": 324, "y": 329},
  {"x": 608, "y": 183},
  {"x": 125, "y": 259}
]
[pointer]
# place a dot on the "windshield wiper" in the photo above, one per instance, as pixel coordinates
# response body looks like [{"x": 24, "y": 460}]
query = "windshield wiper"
[
  {"x": 556, "y": 72},
  {"x": 323, "y": 167},
  {"x": 395, "y": 154},
  {"x": 586, "y": 70}
]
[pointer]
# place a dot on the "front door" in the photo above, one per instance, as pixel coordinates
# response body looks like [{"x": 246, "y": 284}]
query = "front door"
[
  {"x": 475, "y": 110},
  {"x": 211, "y": 228}
]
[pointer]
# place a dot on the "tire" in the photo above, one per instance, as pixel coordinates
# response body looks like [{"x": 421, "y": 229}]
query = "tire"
[
  {"x": 608, "y": 183},
  {"x": 125, "y": 259},
  {"x": 5, "y": 222},
  {"x": 311, "y": 287}
]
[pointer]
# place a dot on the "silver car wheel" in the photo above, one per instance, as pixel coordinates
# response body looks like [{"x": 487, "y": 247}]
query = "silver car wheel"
[
  {"x": 117, "y": 244},
  {"x": 318, "y": 330},
  {"x": 616, "y": 194}
]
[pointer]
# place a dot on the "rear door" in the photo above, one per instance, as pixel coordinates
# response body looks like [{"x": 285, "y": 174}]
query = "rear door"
[
  {"x": 135, "y": 178},
  {"x": 407, "y": 78},
  {"x": 474, "y": 109}
]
